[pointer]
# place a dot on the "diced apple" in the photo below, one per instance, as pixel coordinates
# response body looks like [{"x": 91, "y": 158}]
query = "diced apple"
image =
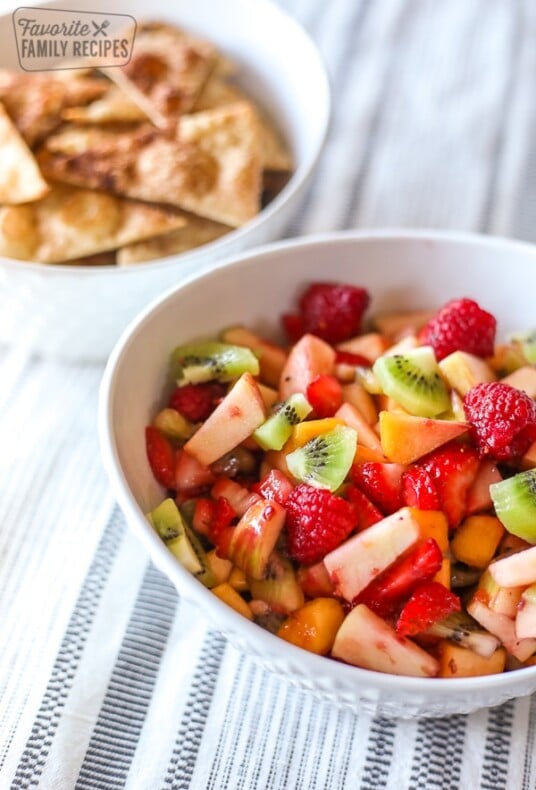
[
  {"x": 503, "y": 628},
  {"x": 516, "y": 569},
  {"x": 271, "y": 358},
  {"x": 460, "y": 662},
  {"x": 463, "y": 371},
  {"x": 523, "y": 379},
  {"x": 268, "y": 395},
  {"x": 405, "y": 438},
  {"x": 240, "y": 412},
  {"x": 478, "y": 496},
  {"x": 526, "y": 614},
  {"x": 354, "y": 419},
  {"x": 503, "y": 600},
  {"x": 357, "y": 561},
  {"x": 371, "y": 345},
  {"x": 254, "y": 537},
  {"x": 190, "y": 473},
  {"x": 310, "y": 357},
  {"x": 367, "y": 641},
  {"x": 359, "y": 398},
  {"x": 314, "y": 626},
  {"x": 239, "y": 497},
  {"x": 406, "y": 343}
]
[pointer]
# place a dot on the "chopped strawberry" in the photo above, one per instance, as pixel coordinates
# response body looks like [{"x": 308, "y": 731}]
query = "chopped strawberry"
[
  {"x": 461, "y": 325},
  {"x": 161, "y": 456},
  {"x": 324, "y": 393},
  {"x": 212, "y": 517},
  {"x": 317, "y": 522},
  {"x": 203, "y": 515},
  {"x": 332, "y": 311},
  {"x": 189, "y": 473},
  {"x": 381, "y": 482},
  {"x": 452, "y": 468},
  {"x": 428, "y": 604},
  {"x": 196, "y": 402},
  {"x": 275, "y": 486},
  {"x": 418, "y": 489},
  {"x": 348, "y": 358},
  {"x": 367, "y": 513},
  {"x": 293, "y": 326},
  {"x": 384, "y": 594}
]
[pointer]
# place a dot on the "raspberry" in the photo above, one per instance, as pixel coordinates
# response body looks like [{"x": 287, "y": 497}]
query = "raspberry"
[
  {"x": 196, "y": 402},
  {"x": 461, "y": 325},
  {"x": 503, "y": 419},
  {"x": 317, "y": 522},
  {"x": 333, "y": 312}
]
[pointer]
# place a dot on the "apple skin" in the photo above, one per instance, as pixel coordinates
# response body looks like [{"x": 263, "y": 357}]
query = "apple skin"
[
  {"x": 310, "y": 357},
  {"x": 252, "y": 541}
]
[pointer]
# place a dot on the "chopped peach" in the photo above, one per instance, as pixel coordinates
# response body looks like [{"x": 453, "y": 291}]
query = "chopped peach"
[
  {"x": 476, "y": 539},
  {"x": 233, "y": 599},
  {"x": 310, "y": 357},
  {"x": 303, "y": 432},
  {"x": 365, "y": 434},
  {"x": 358, "y": 396},
  {"x": 238, "y": 580},
  {"x": 523, "y": 379},
  {"x": 268, "y": 395},
  {"x": 405, "y": 438},
  {"x": 363, "y": 454},
  {"x": 397, "y": 325},
  {"x": 460, "y": 662},
  {"x": 314, "y": 626},
  {"x": 371, "y": 345}
]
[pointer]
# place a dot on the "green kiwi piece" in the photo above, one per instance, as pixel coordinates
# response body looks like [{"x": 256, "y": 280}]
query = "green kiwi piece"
[
  {"x": 324, "y": 461},
  {"x": 279, "y": 588},
  {"x": 273, "y": 433},
  {"x": 528, "y": 345},
  {"x": 413, "y": 380},
  {"x": 212, "y": 361},
  {"x": 463, "y": 630},
  {"x": 181, "y": 540},
  {"x": 514, "y": 500}
]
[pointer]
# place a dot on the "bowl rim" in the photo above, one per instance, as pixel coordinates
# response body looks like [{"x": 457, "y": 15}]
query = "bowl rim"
[
  {"x": 298, "y": 178},
  {"x": 189, "y": 587}
]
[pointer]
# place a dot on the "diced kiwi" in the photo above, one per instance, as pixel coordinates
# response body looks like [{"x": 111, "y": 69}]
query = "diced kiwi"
[
  {"x": 463, "y": 630},
  {"x": 273, "y": 433},
  {"x": 528, "y": 345},
  {"x": 279, "y": 588},
  {"x": 413, "y": 380},
  {"x": 324, "y": 461},
  {"x": 181, "y": 540},
  {"x": 212, "y": 361},
  {"x": 173, "y": 425},
  {"x": 514, "y": 500}
]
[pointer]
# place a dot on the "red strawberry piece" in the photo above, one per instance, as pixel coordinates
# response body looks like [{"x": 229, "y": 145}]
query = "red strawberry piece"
[
  {"x": 418, "y": 489},
  {"x": 212, "y": 517},
  {"x": 333, "y": 312},
  {"x": 452, "y": 468},
  {"x": 324, "y": 393},
  {"x": 203, "y": 515},
  {"x": 317, "y": 522},
  {"x": 384, "y": 594},
  {"x": 161, "y": 456},
  {"x": 429, "y": 603},
  {"x": 367, "y": 513},
  {"x": 190, "y": 474},
  {"x": 348, "y": 358},
  {"x": 381, "y": 482},
  {"x": 461, "y": 325},
  {"x": 293, "y": 326},
  {"x": 503, "y": 419},
  {"x": 196, "y": 402},
  {"x": 274, "y": 486}
]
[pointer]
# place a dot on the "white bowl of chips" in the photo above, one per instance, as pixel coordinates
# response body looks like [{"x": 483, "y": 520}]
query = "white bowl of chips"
[{"x": 125, "y": 180}]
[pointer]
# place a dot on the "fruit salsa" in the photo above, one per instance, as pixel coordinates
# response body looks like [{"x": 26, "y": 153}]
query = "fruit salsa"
[{"x": 367, "y": 494}]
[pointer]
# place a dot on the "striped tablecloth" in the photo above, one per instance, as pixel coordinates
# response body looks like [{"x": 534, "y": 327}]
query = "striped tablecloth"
[{"x": 107, "y": 678}]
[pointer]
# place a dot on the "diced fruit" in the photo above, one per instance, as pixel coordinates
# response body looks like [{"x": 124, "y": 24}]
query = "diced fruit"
[
  {"x": 371, "y": 346},
  {"x": 460, "y": 325},
  {"x": 273, "y": 433},
  {"x": 238, "y": 496},
  {"x": 275, "y": 485},
  {"x": 367, "y": 641},
  {"x": 233, "y": 599},
  {"x": 354, "y": 564},
  {"x": 515, "y": 569},
  {"x": 173, "y": 425},
  {"x": 314, "y": 626},
  {"x": 292, "y": 324},
  {"x": 190, "y": 474},
  {"x": 314, "y": 581},
  {"x": 399, "y": 324},
  {"x": 503, "y": 628},
  {"x": 503, "y": 600},
  {"x": 523, "y": 379},
  {"x": 279, "y": 588},
  {"x": 367, "y": 513},
  {"x": 364, "y": 454},
  {"x": 526, "y": 614},
  {"x": 506, "y": 358},
  {"x": 382, "y": 483},
  {"x": 527, "y": 342},
  {"x": 432, "y": 524},
  {"x": 360, "y": 399},
  {"x": 514, "y": 500},
  {"x": 350, "y": 359},
  {"x": 161, "y": 456},
  {"x": 406, "y": 343},
  {"x": 220, "y": 568},
  {"x": 528, "y": 461},
  {"x": 253, "y": 539},
  {"x": 459, "y": 662},
  {"x": 212, "y": 517},
  {"x": 325, "y": 460},
  {"x": 212, "y": 361},
  {"x": 238, "y": 580},
  {"x": 237, "y": 416},
  {"x": 271, "y": 357},
  {"x": 476, "y": 539},
  {"x": 324, "y": 393},
  {"x": 463, "y": 630},
  {"x": 310, "y": 357},
  {"x": 195, "y": 402},
  {"x": 418, "y": 490},
  {"x": 317, "y": 522},
  {"x": 453, "y": 469},
  {"x": 406, "y": 438},
  {"x": 303, "y": 432},
  {"x": 333, "y": 311},
  {"x": 413, "y": 380},
  {"x": 268, "y": 395},
  {"x": 366, "y": 435},
  {"x": 429, "y": 603},
  {"x": 479, "y": 496},
  {"x": 463, "y": 371}
]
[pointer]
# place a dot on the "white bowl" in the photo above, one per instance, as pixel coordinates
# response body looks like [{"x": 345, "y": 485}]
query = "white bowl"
[
  {"x": 79, "y": 312},
  {"x": 401, "y": 270}
]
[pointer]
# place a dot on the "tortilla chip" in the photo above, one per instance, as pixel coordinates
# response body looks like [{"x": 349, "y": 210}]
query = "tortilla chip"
[
  {"x": 113, "y": 107},
  {"x": 166, "y": 72},
  {"x": 35, "y": 101},
  {"x": 71, "y": 223},
  {"x": 211, "y": 168},
  {"x": 20, "y": 178},
  {"x": 197, "y": 232}
]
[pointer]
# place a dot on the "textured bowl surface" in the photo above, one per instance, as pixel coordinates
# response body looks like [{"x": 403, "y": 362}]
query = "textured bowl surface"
[
  {"x": 402, "y": 270},
  {"x": 79, "y": 312}
]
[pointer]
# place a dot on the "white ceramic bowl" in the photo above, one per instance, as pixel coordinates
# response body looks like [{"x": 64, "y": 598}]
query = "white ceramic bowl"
[
  {"x": 402, "y": 270},
  {"x": 79, "y": 312}
]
